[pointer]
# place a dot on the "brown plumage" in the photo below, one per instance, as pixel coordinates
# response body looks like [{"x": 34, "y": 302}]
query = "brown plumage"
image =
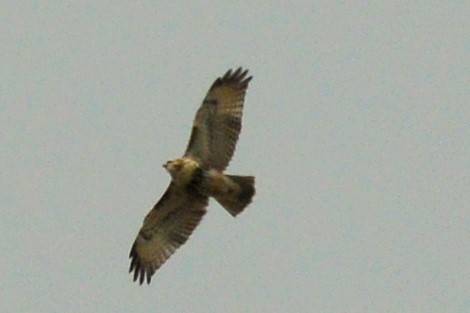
[{"x": 197, "y": 176}]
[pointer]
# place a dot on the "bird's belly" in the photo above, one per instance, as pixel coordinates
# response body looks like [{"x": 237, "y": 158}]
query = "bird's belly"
[{"x": 215, "y": 183}]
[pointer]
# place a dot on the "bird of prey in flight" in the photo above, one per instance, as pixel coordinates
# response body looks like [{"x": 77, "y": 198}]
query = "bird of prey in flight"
[{"x": 196, "y": 176}]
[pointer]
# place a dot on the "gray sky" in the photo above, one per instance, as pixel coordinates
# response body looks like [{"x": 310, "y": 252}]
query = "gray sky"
[{"x": 356, "y": 126}]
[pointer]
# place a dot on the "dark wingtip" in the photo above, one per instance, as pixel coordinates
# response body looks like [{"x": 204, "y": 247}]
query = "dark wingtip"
[
  {"x": 239, "y": 77},
  {"x": 139, "y": 272},
  {"x": 227, "y": 74}
]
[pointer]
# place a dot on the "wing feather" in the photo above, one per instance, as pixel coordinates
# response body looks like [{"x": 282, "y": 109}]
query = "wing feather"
[
  {"x": 166, "y": 227},
  {"x": 218, "y": 121}
]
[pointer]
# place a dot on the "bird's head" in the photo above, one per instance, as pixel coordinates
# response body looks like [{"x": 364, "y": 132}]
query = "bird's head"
[
  {"x": 181, "y": 170},
  {"x": 173, "y": 166}
]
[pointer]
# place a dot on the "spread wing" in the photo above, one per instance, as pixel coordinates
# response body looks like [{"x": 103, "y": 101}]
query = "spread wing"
[
  {"x": 166, "y": 227},
  {"x": 218, "y": 121}
]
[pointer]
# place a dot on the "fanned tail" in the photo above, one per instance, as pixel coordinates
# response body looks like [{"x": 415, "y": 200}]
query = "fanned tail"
[{"x": 238, "y": 199}]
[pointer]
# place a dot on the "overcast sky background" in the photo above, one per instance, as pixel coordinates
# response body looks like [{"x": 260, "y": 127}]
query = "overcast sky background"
[{"x": 356, "y": 126}]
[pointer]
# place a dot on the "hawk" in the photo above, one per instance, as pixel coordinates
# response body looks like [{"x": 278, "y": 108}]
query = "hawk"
[{"x": 197, "y": 176}]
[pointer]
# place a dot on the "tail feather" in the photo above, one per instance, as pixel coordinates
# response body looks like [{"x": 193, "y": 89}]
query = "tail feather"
[{"x": 238, "y": 199}]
